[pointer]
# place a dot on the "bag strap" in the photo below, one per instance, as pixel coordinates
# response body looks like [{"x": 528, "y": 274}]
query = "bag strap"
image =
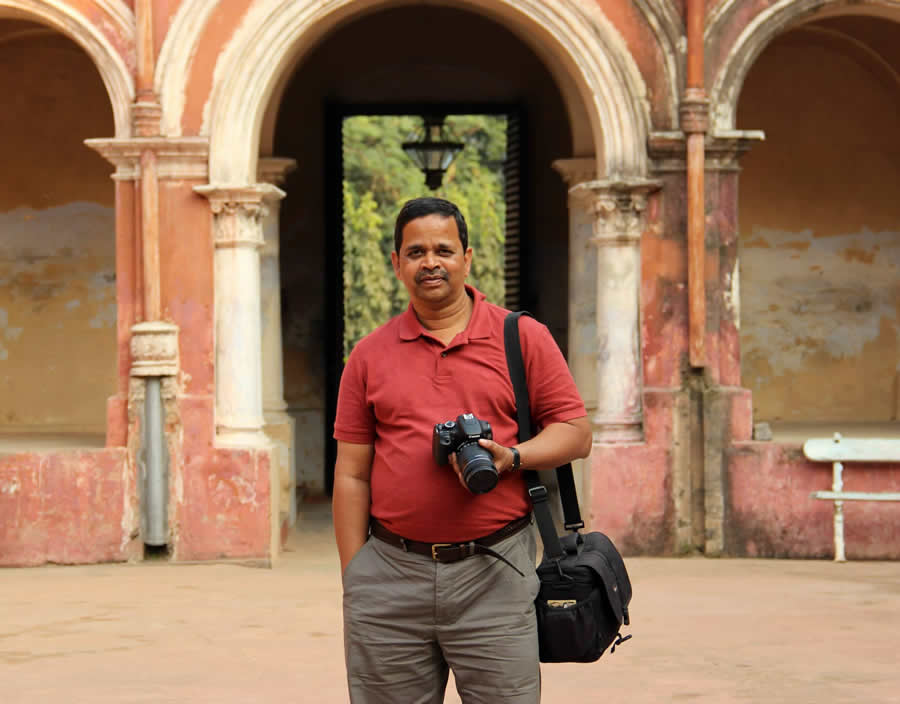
[{"x": 565, "y": 479}]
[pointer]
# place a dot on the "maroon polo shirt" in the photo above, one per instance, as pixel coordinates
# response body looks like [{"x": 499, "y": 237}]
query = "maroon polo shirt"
[{"x": 399, "y": 381}]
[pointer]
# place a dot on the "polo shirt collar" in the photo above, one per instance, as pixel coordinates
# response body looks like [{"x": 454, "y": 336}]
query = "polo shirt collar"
[{"x": 477, "y": 328}]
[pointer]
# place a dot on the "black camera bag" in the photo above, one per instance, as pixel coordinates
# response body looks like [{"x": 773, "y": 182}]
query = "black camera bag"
[{"x": 585, "y": 589}]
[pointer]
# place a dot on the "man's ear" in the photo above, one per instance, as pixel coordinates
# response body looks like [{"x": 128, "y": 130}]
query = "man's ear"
[{"x": 468, "y": 259}]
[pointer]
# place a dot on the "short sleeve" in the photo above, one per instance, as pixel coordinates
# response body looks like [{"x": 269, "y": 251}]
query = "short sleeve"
[
  {"x": 355, "y": 420},
  {"x": 552, "y": 392}
]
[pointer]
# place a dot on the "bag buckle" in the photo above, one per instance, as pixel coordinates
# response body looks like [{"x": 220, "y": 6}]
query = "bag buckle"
[
  {"x": 538, "y": 493},
  {"x": 434, "y": 549}
]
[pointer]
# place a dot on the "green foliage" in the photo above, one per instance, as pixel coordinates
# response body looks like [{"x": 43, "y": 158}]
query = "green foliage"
[{"x": 379, "y": 178}]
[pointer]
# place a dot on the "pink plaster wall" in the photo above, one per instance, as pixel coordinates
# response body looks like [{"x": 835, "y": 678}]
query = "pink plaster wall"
[
  {"x": 225, "y": 511},
  {"x": 64, "y": 507},
  {"x": 771, "y": 513},
  {"x": 631, "y": 484}
]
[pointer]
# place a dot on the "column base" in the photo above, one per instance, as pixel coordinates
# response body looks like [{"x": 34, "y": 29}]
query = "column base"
[
  {"x": 241, "y": 437},
  {"x": 279, "y": 428}
]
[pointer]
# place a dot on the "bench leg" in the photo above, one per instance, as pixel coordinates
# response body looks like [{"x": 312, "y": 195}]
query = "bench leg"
[
  {"x": 839, "y": 555},
  {"x": 837, "y": 484}
]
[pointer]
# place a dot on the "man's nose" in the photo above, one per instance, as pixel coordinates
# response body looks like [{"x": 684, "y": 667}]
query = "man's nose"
[{"x": 430, "y": 260}]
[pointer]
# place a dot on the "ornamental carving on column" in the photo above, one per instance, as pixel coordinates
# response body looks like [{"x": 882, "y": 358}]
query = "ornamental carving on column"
[
  {"x": 618, "y": 209},
  {"x": 239, "y": 212}
]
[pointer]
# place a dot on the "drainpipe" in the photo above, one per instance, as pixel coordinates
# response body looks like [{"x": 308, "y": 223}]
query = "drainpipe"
[
  {"x": 146, "y": 114},
  {"x": 694, "y": 113}
]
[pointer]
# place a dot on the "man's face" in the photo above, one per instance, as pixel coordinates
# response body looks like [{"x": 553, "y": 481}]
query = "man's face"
[{"x": 432, "y": 264}]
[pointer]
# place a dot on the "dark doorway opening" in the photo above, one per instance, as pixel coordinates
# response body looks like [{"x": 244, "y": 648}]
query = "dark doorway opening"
[{"x": 514, "y": 254}]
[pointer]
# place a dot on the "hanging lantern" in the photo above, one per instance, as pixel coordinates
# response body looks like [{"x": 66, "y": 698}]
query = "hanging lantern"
[{"x": 435, "y": 152}]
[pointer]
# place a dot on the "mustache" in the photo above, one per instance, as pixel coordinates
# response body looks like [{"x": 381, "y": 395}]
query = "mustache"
[{"x": 426, "y": 273}]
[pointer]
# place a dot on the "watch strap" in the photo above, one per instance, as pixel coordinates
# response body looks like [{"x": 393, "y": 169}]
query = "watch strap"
[{"x": 517, "y": 459}]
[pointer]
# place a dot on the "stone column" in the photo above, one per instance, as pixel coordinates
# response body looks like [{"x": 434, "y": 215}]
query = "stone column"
[
  {"x": 618, "y": 221},
  {"x": 238, "y": 233},
  {"x": 279, "y": 426},
  {"x": 582, "y": 299}
]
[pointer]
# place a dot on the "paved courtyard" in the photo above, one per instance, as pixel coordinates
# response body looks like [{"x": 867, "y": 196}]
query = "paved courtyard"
[{"x": 704, "y": 631}]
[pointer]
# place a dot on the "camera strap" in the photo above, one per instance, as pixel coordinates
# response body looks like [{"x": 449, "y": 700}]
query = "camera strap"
[{"x": 564, "y": 478}]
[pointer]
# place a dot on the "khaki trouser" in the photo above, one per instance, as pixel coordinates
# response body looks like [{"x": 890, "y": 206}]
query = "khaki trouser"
[{"x": 407, "y": 619}]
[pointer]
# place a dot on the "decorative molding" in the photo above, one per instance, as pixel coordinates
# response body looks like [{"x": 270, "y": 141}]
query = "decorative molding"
[
  {"x": 668, "y": 150},
  {"x": 181, "y": 158},
  {"x": 576, "y": 170},
  {"x": 154, "y": 349},
  {"x": 618, "y": 208},
  {"x": 274, "y": 169},
  {"x": 725, "y": 149},
  {"x": 239, "y": 211}
]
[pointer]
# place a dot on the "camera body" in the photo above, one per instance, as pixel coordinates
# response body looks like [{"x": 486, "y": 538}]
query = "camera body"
[{"x": 461, "y": 436}]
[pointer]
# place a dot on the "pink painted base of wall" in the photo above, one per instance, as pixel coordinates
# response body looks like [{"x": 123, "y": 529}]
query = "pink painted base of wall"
[
  {"x": 81, "y": 506},
  {"x": 771, "y": 513},
  {"x": 630, "y": 497},
  {"x": 225, "y": 512},
  {"x": 66, "y": 507},
  {"x": 631, "y": 484}
]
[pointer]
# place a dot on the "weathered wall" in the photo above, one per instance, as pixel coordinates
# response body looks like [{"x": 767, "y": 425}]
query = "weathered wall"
[
  {"x": 57, "y": 251},
  {"x": 820, "y": 227},
  {"x": 771, "y": 514}
]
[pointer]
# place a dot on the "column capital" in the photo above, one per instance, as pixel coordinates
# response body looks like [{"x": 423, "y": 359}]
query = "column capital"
[
  {"x": 185, "y": 158},
  {"x": 274, "y": 169},
  {"x": 617, "y": 207},
  {"x": 239, "y": 211}
]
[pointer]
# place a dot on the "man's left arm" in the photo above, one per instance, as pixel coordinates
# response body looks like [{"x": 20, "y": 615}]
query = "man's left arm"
[{"x": 556, "y": 444}]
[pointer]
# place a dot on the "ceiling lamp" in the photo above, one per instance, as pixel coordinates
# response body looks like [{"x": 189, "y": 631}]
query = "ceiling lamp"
[{"x": 435, "y": 152}]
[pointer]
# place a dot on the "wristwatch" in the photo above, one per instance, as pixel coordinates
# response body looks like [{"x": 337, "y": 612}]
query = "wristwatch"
[{"x": 517, "y": 459}]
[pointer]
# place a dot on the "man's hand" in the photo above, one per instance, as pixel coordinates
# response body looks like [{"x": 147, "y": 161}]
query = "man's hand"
[
  {"x": 503, "y": 459},
  {"x": 555, "y": 445}
]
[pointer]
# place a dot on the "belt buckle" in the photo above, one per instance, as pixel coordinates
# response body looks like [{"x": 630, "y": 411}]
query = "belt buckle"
[{"x": 434, "y": 548}]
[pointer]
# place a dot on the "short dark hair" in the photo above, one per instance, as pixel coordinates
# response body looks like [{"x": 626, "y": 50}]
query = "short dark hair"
[{"x": 421, "y": 207}]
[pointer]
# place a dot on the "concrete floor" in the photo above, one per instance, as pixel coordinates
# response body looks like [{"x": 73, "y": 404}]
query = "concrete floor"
[{"x": 709, "y": 631}]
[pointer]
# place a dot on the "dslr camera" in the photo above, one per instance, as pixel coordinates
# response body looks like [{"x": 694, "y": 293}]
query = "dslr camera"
[{"x": 461, "y": 436}]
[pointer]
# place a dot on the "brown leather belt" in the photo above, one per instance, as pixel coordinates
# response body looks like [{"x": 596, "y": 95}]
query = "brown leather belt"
[{"x": 451, "y": 552}]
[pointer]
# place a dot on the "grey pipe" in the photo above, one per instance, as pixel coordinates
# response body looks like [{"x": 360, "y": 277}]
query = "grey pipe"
[{"x": 154, "y": 516}]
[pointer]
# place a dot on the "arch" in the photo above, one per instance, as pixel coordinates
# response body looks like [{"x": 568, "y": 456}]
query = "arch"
[
  {"x": 668, "y": 29},
  {"x": 174, "y": 61},
  {"x": 111, "y": 66},
  {"x": 761, "y": 30},
  {"x": 586, "y": 48}
]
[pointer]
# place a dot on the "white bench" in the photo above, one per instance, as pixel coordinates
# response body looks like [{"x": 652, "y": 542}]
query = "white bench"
[{"x": 839, "y": 450}]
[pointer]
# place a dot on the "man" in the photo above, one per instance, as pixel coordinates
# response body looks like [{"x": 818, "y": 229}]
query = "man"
[{"x": 419, "y": 597}]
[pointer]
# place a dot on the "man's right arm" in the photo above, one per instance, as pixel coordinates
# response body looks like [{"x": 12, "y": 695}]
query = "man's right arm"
[{"x": 351, "y": 498}]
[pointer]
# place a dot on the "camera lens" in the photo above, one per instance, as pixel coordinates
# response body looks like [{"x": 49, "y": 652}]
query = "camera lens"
[{"x": 477, "y": 467}]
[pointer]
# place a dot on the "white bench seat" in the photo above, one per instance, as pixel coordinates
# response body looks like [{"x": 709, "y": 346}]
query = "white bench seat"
[{"x": 839, "y": 450}]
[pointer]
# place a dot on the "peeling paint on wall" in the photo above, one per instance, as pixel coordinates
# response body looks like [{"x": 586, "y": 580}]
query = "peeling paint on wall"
[
  {"x": 827, "y": 306},
  {"x": 57, "y": 318}
]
